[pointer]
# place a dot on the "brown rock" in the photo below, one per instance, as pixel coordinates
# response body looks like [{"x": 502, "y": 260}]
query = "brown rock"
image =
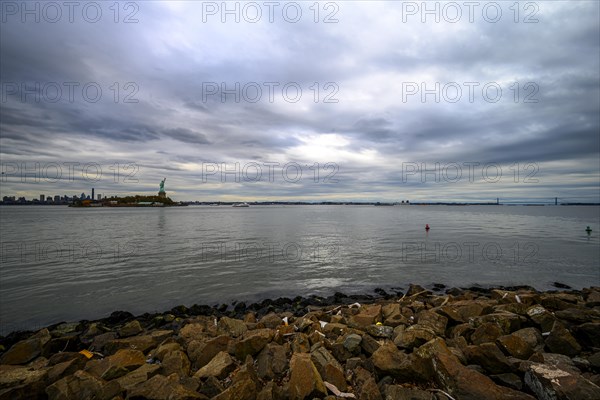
[
  {"x": 532, "y": 336},
  {"x": 392, "y": 315},
  {"x": 368, "y": 315},
  {"x": 461, "y": 382},
  {"x": 489, "y": 356},
  {"x": 300, "y": 344},
  {"x": 211, "y": 387},
  {"x": 232, "y": 327},
  {"x": 193, "y": 331},
  {"x": 117, "y": 365},
  {"x": 542, "y": 317},
  {"x": 329, "y": 368},
  {"x": 13, "y": 375},
  {"x": 271, "y": 361},
  {"x": 219, "y": 367},
  {"x": 160, "y": 387},
  {"x": 339, "y": 352},
  {"x": 131, "y": 328},
  {"x": 137, "y": 376},
  {"x": 433, "y": 320},
  {"x": 334, "y": 330},
  {"x": 201, "y": 352},
  {"x": 142, "y": 343},
  {"x": 414, "y": 336},
  {"x": 507, "y": 321},
  {"x": 369, "y": 345},
  {"x": 549, "y": 382},
  {"x": 509, "y": 380},
  {"x": 64, "y": 356},
  {"x": 592, "y": 298},
  {"x": 485, "y": 333},
  {"x": 161, "y": 351},
  {"x": 587, "y": 334},
  {"x": 243, "y": 385},
  {"x": 515, "y": 346},
  {"x": 60, "y": 370},
  {"x": 578, "y": 315},
  {"x": 556, "y": 301},
  {"x": 305, "y": 381},
  {"x": 463, "y": 311},
  {"x": 81, "y": 385},
  {"x": 395, "y": 392},
  {"x": 271, "y": 321},
  {"x": 365, "y": 386},
  {"x": 388, "y": 360},
  {"x": 252, "y": 342},
  {"x": 26, "y": 350},
  {"x": 559, "y": 361},
  {"x": 175, "y": 362},
  {"x": 561, "y": 341},
  {"x": 101, "y": 340}
]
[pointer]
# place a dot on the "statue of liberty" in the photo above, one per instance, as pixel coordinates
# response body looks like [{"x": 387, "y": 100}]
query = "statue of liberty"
[{"x": 161, "y": 190}]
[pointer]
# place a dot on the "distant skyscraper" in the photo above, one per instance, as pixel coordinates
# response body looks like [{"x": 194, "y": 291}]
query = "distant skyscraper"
[
  {"x": 92, "y": 194},
  {"x": 57, "y": 199},
  {"x": 42, "y": 198},
  {"x": 99, "y": 196},
  {"x": 82, "y": 196}
]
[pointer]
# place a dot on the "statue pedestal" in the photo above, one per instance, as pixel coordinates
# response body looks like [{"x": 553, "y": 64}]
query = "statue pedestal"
[{"x": 162, "y": 195}]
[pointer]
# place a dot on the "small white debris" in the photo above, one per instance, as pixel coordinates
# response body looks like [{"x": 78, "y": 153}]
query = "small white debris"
[
  {"x": 323, "y": 323},
  {"x": 333, "y": 389},
  {"x": 518, "y": 298}
]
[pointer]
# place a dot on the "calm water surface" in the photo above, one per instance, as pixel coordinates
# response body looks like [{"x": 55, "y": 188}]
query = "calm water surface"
[{"x": 61, "y": 263}]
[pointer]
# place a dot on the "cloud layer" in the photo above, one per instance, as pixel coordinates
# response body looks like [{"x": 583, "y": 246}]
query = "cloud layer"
[{"x": 361, "y": 105}]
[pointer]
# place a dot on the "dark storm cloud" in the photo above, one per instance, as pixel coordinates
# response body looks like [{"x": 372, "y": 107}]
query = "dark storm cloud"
[{"x": 165, "y": 61}]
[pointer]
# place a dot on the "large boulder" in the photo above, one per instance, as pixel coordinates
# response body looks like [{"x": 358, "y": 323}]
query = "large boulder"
[
  {"x": 252, "y": 342},
  {"x": 143, "y": 343},
  {"x": 271, "y": 361},
  {"x": 160, "y": 387},
  {"x": 232, "y": 327},
  {"x": 389, "y": 360},
  {"x": 305, "y": 381},
  {"x": 433, "y": 320},
  {"x": 82, "y": 385},
  {"x": 329, "y": 368},
  {"x": 26, "y": 350},
  {"x": 219, "y": 367},
  {"x": 200, "y": 352},
  {"x": 489, "y": 356},
  {"x": 514, "y": 345},
  {"x": 561, "y": 341},
  {"x": 551, "y": 383},
  {"x": 461, "y": 382}
]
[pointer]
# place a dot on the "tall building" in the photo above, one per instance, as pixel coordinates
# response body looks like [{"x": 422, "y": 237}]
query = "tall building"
[
  {"x": 57, "y": 199},
  {"x": 99, "y": 196},
  {"x": 92, "y": 194},
  {"x": 42, "y": 198}
]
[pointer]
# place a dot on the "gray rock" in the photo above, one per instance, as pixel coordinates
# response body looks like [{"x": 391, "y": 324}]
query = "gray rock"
[
  {"x": 380, "y": 331},
  {"x": 352, "y": 342}
]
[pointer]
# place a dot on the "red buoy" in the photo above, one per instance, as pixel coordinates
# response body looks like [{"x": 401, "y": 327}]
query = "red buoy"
[{"x": 427, "y": 227}]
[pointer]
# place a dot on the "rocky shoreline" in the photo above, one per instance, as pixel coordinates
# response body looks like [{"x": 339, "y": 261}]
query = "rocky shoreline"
[{"x": 502, "y": 343}]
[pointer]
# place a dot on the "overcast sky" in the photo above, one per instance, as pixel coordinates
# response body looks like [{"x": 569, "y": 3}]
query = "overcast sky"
[{"x": 494, "y": 100}]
